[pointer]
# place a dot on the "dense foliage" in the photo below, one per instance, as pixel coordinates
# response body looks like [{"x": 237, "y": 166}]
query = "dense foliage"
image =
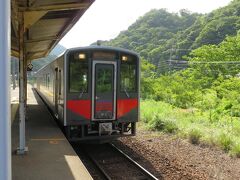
[
  {"x": 211, "y": 82},
  {"x": 159, "y": 36}
]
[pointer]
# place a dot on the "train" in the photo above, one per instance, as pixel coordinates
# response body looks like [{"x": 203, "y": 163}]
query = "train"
[{"x": 93, "y": 91}]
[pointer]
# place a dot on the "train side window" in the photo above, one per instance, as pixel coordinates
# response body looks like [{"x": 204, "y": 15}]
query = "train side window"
[
  {"x": 128, "y": 75},
  {"x": 45, "y": 80},
  {"x": 60, "y": 82},
  {"x": 48, "y": 81},
  {"x": 78, "y": 73}
]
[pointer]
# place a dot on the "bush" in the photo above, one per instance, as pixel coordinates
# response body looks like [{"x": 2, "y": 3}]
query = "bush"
[
  {"x": 161, "y": 123},
  {"x": 235, "y": 151},
  {"x": 225, "y": 141},
  {"x": 194, "y": 136},
  {"x": 157, "y": 123},
  {"x": 170, "y": 127},
  {"x": 152, "y": 110}
]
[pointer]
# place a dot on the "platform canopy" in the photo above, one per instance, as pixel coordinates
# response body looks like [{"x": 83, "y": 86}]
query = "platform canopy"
[{"x": 45, "y": 22}]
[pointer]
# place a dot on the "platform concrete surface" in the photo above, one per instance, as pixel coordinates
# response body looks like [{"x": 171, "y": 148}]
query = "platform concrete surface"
[{"x": 50, "y": 156}]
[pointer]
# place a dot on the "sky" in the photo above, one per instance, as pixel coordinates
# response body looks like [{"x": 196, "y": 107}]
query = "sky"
[{"x": 105, "y": 19}]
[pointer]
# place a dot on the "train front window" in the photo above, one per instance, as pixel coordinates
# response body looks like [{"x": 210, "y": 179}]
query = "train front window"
[
  {"x": 78, "y": 73},
  {"x": 104, "y": 79},
  {"x": 128, "y": 74}
]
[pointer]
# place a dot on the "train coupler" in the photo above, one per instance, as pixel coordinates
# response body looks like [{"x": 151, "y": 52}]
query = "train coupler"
[{"x": 105, "y": 128}]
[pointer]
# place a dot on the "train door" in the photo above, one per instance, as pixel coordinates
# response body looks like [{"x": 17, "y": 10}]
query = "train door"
[
  {"x": 104, "y": 90},
  {"x": 56, "y": 92}
]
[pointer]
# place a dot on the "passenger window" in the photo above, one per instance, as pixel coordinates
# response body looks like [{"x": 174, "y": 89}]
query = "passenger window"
[
  {"x": 128, "y": 75},
  {"x": 78, "y": 73}
]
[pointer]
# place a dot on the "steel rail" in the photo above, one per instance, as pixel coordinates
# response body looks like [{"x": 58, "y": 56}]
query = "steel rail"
[
  {"x": 100, "y": 169},
  {"x": 147, "y": 173}
]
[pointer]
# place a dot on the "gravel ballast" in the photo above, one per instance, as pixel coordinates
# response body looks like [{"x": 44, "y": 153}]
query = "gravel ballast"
[{"x": 168, "y": 157}]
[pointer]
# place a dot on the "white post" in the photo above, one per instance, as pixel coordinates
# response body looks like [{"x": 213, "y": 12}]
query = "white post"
[
  {"x": 22, "y": 95},
  {"x": 5, "y": 121}
]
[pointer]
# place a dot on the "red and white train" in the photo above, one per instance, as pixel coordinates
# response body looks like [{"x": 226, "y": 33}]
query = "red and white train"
[{"x": 93, "y": 91}]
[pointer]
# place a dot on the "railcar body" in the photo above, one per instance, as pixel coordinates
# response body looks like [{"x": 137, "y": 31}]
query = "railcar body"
[{"x": 93, "y": 92}]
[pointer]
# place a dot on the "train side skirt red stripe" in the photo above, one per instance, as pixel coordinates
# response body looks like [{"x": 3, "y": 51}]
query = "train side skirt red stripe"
[
  {"x": 80, "y": 107},
  {"x": 124, "y": 106},
  {"x": 83, "y": 107}
]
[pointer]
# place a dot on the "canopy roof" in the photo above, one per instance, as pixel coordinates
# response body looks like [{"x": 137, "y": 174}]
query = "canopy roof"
[{"x": 45, "y": 22}]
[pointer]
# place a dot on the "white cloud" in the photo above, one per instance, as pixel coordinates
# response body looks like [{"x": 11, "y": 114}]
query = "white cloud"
[{"x": 106, "y": 18}]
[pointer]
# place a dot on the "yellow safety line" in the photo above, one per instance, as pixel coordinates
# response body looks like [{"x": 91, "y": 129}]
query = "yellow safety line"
[{"x": 46, "y": 91}]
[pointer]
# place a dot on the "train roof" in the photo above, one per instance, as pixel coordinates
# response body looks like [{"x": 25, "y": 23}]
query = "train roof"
[{"x": 94, "y": 47}]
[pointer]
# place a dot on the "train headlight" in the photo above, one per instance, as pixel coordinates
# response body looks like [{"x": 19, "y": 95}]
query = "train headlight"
[
  {"x": 124, "y": 58},
  {"x": 82, "y": 56}
]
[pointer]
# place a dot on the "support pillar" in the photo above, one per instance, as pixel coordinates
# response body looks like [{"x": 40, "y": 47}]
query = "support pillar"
[
  {"x": 13, "y": 67},
  {"x": 5, "y": 120},
  {"x": 22, "y": 88}
]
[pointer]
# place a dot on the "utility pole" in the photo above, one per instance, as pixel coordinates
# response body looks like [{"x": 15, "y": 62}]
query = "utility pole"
[{"x": 170, "y": 61}]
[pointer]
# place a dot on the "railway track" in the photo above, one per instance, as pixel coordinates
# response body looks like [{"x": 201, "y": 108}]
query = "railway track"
[{"x": 112, "y": 163}]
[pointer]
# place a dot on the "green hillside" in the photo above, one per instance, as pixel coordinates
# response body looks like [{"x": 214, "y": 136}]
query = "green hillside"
[{"x": 159, "y": 36}]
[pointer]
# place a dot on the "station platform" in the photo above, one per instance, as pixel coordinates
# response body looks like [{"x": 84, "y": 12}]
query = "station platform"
[{"x": 50, "y": 155}]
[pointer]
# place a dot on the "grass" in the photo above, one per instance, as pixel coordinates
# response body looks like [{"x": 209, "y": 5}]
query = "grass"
[
  {"x": 193, "y": 125},
  {"x": 165, "y": 126},
  {"x": 194, "y": 136},
  {"x": 225, "y": 141},
  {"x": 235, "y": 151}
]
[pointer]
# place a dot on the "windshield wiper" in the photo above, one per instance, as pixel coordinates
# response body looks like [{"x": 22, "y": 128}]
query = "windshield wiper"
[
  {"x": 126, "y": 93},
  {"x": 81, "y": 93}
]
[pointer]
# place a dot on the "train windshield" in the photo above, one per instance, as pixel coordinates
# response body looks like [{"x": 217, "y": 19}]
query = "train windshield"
[
  {"x": 128, "y": 74},
  {"x": 78, "y": 69},
  {"x": 104, "y": 80}
]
